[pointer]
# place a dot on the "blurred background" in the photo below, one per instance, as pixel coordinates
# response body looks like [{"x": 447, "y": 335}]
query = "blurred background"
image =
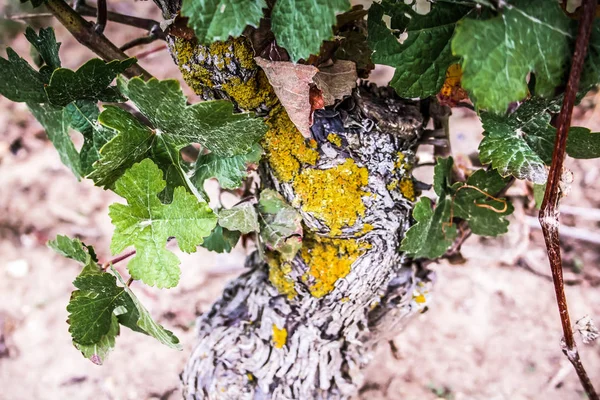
[{"x": 492, "y": 331}]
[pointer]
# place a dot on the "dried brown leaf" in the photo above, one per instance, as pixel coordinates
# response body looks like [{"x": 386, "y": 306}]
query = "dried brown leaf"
[
  {"x": 304, "y": 88},
  {"x": 336, "y": 81},
  {"x": 291, "y": 83}
]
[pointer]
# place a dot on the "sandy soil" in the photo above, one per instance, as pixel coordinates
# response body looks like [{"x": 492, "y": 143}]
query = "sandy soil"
[{"x": 492, "y": 331}]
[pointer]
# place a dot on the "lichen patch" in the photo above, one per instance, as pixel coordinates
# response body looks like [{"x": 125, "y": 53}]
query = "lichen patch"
[{"x": 333, "y": 195}]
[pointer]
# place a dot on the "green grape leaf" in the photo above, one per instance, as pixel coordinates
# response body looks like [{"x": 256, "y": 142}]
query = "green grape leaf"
[
  {"x": 90, "y": 82},
  {"x": 300, "y": 26},
  {"x": 429, "y": 237},
  {"x": 46, "y": 45},
  {"x": 229, "y": 171},
  {"x": 583, "y": 143},
  {"x": 221, "y": 240},
  {"x": 139, "y": 319},
  {"x": 210, "y": 123},
  {"x": 92, "y": 306},
  {"x": 99, "y": 305},
  {"x": 520, "y": 143},
  {"x": 498, "y": 53},
  {"x": 434, "y": 231},
  {"x": 97, "y": 352},
  {"x": 146, "y": 224},
  {"x": 280, "y": 224},
  {"x": 485, "y": 216},
  {"x": 422, "y": 59},
  {"x": 56, "y": 122},
  {"x": 242, "y": 217},
  {"x": 83, "y": 116},
  {"x": 19, "y": 82},
  {"x": 131, "y": 144},
  {"x": 71, "y": 248},
  {"x": 216, "y": 20}
]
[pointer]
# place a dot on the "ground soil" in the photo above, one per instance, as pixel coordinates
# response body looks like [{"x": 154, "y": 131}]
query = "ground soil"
[{"x": 491, "y": 332}]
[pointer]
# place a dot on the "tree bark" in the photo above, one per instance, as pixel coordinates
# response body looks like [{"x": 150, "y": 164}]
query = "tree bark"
[{"x": 304, "y": 329}]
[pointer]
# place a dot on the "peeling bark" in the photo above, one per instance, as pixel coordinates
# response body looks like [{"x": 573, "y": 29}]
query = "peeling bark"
[{"x": 305, "y": 329}]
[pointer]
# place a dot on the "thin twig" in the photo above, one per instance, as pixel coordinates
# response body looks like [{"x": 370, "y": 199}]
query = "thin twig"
[
  {"x": 85, "y": 34},
  {"x": 117, "y": 259},
  {"x": 142, "y": 23},
  {"x": 139, "y": 41},
  {"x": 549, "y": 212},
  {"x": 102, "y": 17}
]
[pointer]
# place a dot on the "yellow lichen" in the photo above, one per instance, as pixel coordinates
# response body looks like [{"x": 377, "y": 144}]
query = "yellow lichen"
[
  {"x": 329, "y": 260},
  {"x": 278, "y": 275},
  {"x": 279, "y": 337},
  {"x": 367, "y": 228},
  {"x": 334, "y": 138},
  {"x": 333, "y": 195},
  {"x": 392, "y": 185},
  {"x": 407, "y": 188},
  {"x": 285, "y": 147},
  {"x": 252, "y": 93}
]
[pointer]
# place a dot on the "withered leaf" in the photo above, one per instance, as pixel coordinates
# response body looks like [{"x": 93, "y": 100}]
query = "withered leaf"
[
  {"x": 336, "y": 81},
  {"x": 291, "y": 83},
  {"x": 296, "y": 87}
]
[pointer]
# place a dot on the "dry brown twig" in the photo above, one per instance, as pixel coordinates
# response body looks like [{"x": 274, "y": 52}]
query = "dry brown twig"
[{"x": 549, "y": 212}]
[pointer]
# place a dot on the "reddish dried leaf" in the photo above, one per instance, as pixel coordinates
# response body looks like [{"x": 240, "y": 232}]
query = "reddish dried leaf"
[
  {"x": 291, "y": 83},
  {"x": 294, "y": 85},
  {"x": 336, "y": 81}
]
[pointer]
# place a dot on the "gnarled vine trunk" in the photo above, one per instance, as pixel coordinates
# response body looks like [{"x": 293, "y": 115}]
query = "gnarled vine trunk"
[{"x": 304, "y": 329}]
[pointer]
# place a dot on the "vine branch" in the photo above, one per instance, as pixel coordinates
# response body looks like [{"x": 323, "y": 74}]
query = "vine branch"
[
  {"x": 549, "y": 211},
  {"x": 85, "y": 34}
]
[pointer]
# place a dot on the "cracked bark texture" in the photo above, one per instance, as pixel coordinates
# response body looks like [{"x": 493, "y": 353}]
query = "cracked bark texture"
[{"x": 302, "y": 329}]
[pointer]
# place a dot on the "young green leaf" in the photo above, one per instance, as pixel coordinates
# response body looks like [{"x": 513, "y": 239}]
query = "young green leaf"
[
  {"x": 92, "y": 307},
  {"x": 98, "y": 351},
  {"x": 19, "y": 81},
  {"x": 211, "y": 123},
  {"x": 280, "y": 224},
  {"x": 300, "y": 26},
  {"x": 221, "y": 240},
  {"x": 214, "y": 20},
  {"x": 90, "y": 82},
  {"x": 498, "y": 53},
  {"x": 46, "y": 45},
  {"x": 473, "y": 203},
  {"x": 229, "y": 171},
  {"x": 146, "y": 224},
  {"x": 83, "y": 116},
  {"x": 70, "y": 248},
  {"x": 56, "y": 122},
  {"x": 139, "y": 319},
  {"x": 131, "y": 144},
  {"x": 422, "y": 59},
  {"x": 431, "y": 235},
  {"x": 242, "y": 217},
  {"x": 582, "y": 143},
  {"x": 520, "y": 143}
]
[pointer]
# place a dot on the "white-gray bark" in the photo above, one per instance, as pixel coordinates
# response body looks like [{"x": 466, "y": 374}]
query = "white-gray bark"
[{"x": 329, "y": 339}]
